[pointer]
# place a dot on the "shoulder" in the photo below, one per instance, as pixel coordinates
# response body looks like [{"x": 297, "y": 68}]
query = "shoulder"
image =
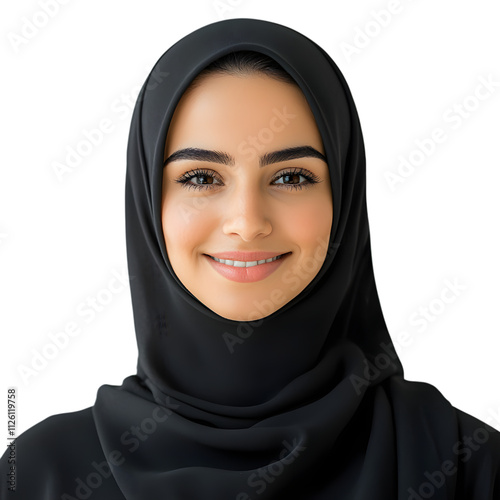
[
  {"x": 64, "y": 427},
  {"x": 471, "y": 445},
  {"x": 57, "y": 456},
  {"x": 427, "y": 403},
  {"x": 57, "y": 437},
  {"x": 478, "y": 452}
]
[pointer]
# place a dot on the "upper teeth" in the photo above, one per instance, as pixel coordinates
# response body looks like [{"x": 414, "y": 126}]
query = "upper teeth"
[{"x": 239, "y": 263}]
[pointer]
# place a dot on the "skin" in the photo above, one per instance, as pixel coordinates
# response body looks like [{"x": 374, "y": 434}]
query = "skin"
[{"x": 243, "y": 207}]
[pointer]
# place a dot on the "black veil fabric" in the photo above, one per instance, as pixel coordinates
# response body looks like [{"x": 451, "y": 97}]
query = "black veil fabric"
[{"x": 309, "y": 402}]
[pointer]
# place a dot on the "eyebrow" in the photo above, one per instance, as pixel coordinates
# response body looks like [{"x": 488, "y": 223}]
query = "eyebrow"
[{"x": 225, "y": 159}]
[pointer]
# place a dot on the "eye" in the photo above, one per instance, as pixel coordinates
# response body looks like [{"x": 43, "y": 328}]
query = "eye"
[
  {"x": 296, "y": 178},
  {"x": 291, "y": 179},
  {"x": 206, "y": 177}
]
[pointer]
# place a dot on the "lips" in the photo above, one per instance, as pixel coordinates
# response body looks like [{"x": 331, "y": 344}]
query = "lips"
[{"x": 247, "y": 271}]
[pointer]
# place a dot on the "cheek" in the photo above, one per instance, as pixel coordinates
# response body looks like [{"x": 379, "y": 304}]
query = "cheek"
[
  {"x": 309, "y": 223},
  {"x": 185, "y": 226}
]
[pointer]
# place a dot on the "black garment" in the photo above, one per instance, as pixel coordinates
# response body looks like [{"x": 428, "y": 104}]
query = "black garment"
[{"x": 311, "y": 403}]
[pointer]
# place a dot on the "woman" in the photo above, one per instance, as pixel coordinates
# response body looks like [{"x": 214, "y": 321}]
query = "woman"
[{"x": 255, "y": 379}]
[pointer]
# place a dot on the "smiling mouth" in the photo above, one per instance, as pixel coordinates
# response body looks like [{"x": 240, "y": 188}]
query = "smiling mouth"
[{"x": 240, "y": 263}]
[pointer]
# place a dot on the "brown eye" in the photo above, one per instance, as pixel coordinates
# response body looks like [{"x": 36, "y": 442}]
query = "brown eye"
[
  {"x": 205, "y": 179},
  {"x": 291, "y": 179}
]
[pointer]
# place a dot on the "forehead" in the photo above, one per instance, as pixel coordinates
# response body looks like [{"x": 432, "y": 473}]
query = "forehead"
[{"x": 228, "y": 110}]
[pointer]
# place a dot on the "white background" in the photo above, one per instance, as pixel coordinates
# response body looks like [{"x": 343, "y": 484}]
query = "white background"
[{"x": 62, "y": 240}]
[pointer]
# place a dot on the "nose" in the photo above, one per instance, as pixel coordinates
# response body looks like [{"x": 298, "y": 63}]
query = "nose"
[{"x": 247, "y": 215}]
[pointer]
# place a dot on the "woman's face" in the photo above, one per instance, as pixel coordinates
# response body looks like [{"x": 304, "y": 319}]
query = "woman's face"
[{"x": 245, "y": 173}]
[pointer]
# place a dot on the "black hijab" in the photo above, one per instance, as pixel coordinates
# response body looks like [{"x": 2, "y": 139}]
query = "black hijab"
[{"x": 309, "y": 402}]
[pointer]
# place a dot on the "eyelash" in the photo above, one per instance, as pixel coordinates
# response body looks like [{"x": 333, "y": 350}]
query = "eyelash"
[{"x": 192, "y": 174}]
